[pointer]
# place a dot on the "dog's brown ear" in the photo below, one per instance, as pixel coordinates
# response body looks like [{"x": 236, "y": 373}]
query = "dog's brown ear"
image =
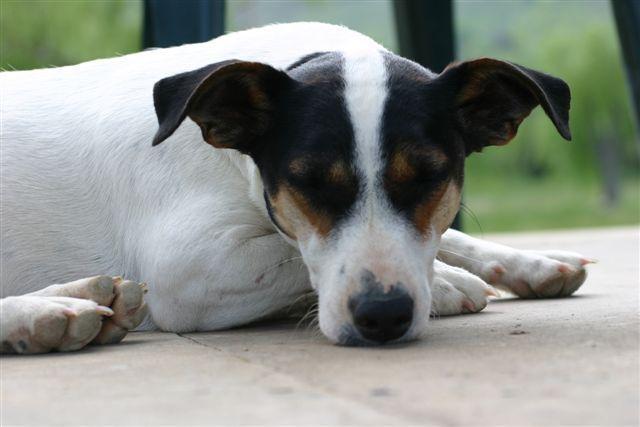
[
  {"x": 492, "y": 97},
  {"x": 233, "y": 102}
]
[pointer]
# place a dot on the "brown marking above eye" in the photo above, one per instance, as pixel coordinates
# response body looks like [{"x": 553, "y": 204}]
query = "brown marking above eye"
[
  {"x": 339, "y": 173},
  {"x": 406, "y": 161},
  {"x": 299, "y": 166},
  {"x": 439, "y": 209},
  {"x": 400, "y": 169},
  {"x": 334, "y": 176},
  {"x": 295, "y": 213}
]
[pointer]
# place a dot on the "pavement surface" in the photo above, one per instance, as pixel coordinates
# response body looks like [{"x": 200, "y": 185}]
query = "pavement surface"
[{"x": 519, "y": 362}]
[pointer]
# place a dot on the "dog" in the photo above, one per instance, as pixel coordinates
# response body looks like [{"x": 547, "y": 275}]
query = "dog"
[{"x": 329, "y": 165}]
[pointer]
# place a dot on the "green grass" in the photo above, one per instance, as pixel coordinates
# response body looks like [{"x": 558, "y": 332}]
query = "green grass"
[{"x": 524, "y": 204}]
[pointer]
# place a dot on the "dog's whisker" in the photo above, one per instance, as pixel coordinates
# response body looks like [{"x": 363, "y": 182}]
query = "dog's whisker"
[
  {"x": 292, "y": 305},
  {"x": 473, "y": 216},
  {"x": 310, "y": 315},
  {"x": 279, "y": 264}
]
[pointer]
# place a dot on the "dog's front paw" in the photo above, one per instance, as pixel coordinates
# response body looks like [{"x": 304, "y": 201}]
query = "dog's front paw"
[
  {"x": 38, "y": 324},
  {"x": 456, "y": 291},
  {"x": 124, "y": 297},
  {"x": 544, "y": 274}
]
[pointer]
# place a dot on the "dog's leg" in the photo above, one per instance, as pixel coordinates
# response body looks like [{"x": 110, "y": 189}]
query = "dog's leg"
[
  {"x": 456, "y": 291},
  {"x": 528, "y": 274},
  {"x": 69, "y": 316}
]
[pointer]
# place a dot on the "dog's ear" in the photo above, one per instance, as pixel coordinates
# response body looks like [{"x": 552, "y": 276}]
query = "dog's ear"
[
  {"x": 233, "y": 102},
  {"x": 492, "y": 97}
]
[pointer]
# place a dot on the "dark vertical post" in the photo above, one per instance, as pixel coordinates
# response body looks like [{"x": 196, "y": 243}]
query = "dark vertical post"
[
  {"x": 426, "y": 35},
  {"x": 627, "y": 15},
  {"x": 425, "y": 32},
  {"x": 175, "y": 22}
]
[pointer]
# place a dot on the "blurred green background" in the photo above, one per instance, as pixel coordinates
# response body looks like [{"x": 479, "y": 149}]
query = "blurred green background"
[{"x": 538, "y": 181}]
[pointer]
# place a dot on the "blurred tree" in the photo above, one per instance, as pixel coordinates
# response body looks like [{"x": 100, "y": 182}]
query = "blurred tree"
[{"x": 36, "y": 33}]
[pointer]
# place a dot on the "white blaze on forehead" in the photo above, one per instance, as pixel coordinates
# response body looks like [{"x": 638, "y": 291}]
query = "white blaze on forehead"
[{"x": 365, "y": 94}]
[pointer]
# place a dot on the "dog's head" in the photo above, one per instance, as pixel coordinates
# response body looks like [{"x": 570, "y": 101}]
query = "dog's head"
[{"x": 362, "y": 156}]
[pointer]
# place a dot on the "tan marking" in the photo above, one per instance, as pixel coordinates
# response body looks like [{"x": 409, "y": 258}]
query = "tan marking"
[
  {"x": 401, "y": 169},
  {"x": 298, "y": 166},
  {"x": 439, "y": 210},
  {"x": 339, "y": 173},
  {"x": 296, "y": 216},
  {"x": 432, "y": 155}
]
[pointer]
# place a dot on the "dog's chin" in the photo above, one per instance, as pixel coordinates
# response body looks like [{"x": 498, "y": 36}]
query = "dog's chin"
[{"x": 350, "y": 337}]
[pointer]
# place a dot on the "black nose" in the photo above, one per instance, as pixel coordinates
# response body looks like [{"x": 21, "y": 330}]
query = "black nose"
[{"x": 380, "y": 316}]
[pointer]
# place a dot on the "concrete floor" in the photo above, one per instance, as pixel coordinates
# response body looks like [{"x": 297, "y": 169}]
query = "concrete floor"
[{"x": 569, "y": 361}]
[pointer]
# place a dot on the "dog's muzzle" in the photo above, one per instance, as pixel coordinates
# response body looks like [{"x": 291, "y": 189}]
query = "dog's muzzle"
[{"x": 378, "y": 315}]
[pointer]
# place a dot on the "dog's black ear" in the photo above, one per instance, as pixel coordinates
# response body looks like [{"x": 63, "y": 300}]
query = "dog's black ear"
[
  {"x": 233, "y": 102},
  {"x": 492, "y": 97}
]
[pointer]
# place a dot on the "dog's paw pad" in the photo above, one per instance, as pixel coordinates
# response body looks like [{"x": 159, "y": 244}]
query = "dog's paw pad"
[
  {"x": 110, "y": 333},
  {"x": 129, "y": 310},
  {"x": 562, "y": 285}
]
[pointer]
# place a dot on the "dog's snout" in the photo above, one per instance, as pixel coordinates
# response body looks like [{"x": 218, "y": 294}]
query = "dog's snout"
[{"x": 382, "y": 317}]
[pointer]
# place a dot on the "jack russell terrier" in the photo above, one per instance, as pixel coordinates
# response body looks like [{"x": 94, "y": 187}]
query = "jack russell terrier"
[{"x": 329, "y": 164}]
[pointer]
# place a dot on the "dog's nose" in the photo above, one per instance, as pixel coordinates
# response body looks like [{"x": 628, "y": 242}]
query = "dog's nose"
[{"x": 382, "y": 317}]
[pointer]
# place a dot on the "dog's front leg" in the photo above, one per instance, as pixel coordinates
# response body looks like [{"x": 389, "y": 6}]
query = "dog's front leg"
[
  {"x": 528, "y": 274},
  {"x": 231, "y": 281}
]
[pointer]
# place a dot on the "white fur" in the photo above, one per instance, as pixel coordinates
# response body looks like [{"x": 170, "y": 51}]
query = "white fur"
[{"x": 365, "y": 95}]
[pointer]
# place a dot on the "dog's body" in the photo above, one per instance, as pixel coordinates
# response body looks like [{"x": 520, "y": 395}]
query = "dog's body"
[{"x": 84, "y": 192}]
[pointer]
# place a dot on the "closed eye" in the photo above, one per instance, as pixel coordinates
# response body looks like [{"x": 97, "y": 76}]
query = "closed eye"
[
  {"x": 410, "y": 179},
  {"x": 330, "y": 188}
]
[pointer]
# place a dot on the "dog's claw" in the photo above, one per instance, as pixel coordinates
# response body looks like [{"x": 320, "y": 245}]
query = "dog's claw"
[
  {"x": 104, "y": 311},
  {"x": 492, "y": 292}
]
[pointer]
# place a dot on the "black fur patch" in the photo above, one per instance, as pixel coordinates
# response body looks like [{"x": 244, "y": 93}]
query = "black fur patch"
[
  {"x": 417, "y": 122},
  {"x": 313, "y": 131}
]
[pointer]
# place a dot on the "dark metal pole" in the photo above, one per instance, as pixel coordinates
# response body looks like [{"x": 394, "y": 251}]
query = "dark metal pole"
[
  {"x": 627, "y": 15},
  {"x": 175, "y": 22},
  {"x": 426, "y": 32},
  {"x": 426, "y": 35}
]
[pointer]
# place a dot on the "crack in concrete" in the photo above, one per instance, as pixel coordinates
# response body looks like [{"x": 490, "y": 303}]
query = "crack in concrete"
[{"x": 303, "y": 382}]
